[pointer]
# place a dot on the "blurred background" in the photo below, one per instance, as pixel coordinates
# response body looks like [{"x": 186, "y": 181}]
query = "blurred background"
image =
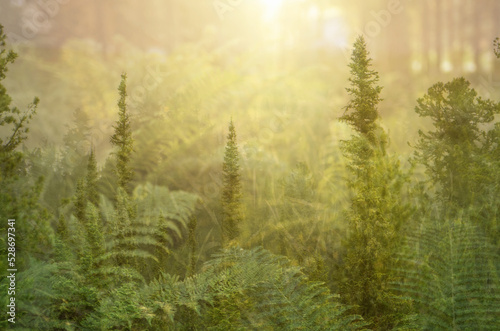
[
  {"x": 412, "y": 43},
  {"x": 278, "y": 68}
]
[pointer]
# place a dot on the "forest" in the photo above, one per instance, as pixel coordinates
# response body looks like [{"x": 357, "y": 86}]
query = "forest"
[{"x": 237, "y": 165}]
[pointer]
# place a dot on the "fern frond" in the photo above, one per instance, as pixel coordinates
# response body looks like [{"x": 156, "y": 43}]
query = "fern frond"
[
  {"x": 158, "y": 200},
  {"x": 142, "y": 230},
  {"x": 269, "y": 293},
  {"x": 452, "y": 276},
  {"x": 127, "y": 254},
  {"x": 118, "y": 273}
]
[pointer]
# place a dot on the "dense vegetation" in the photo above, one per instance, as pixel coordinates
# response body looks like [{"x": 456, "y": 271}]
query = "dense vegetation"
[{"x": 162, "y": 235}]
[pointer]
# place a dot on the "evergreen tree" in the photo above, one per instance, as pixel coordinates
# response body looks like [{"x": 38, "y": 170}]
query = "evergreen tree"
[
  {"x": 362, "y": 111},
  {"x": 461, "y": 154},
  {"x": 456, "y": 153},
  {"x": 19, "y": 191},
  {"x": 62, "y": 227},
  {"x": 11, "y": 115},
  {"x": 376, "y": 211},
  {"x": 94, "y": 234},
  {"x": 231, "y": 192},
  {"x": 10, "y": 158},
  {"x": 122, "y": 139},
  {"x": 80, "y": 203},
  {"x": 91, "y": 179}
]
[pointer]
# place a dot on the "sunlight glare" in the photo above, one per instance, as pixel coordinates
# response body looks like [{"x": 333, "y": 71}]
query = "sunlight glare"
[
  {"x": 271, "y": 9},
  {"x": 313, "y": 13},
  {"x": 446, "y": 66},
  {"x": 335, "y": 30}
]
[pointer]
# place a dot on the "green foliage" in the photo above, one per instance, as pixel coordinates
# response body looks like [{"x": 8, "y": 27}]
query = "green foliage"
[
  {"x": 192, "y": 245},
  {"x": 376, "y": 212},
  {"x": 298, "y": 193},
  {"x": 119, "y": 310},
  {"x": 122, "y": 139},
  {"x": 99, "y": 283},
  {"x": 19, "y": 193},
  {"x": 33, "y": 306},
  {"x": 450, "y": 271},
  {"x": 91, "y": 179},
  {"x": 93, "y": 234},
  {"x": 52, "y": 296},
  {"x": 76, "y": 143},
  {"x": 257, "y": 289},
  {"x": 297, "y": 228},
  {"x": 460, "y": 155},
  {"x": 361, "y": 112},
  {"x": 11, "y": 116},
  {"x": 175, "y": 206},
  {"x": 62, "y": 227},
  {"x": 451, "y": 267},
  {"x": 231, "y": 191},
  {"x": 141, "y": 231},
  {"x": 80, "y": 202},
  {"x": 121, "y": 260},
  {"x": 455, "y": 154},
  {"x": 62, "y": 167}
]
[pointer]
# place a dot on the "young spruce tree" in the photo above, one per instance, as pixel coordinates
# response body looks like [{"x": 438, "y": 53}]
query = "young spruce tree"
[
  {"x": 122, "y": 139},
  {"x": 86, "y": 189},
  {"x": 92, "y": 178},
  {"x": 376, "y": 212},
  {"x": 86, "y": 204},
  {"x": 231, "y": 192}
]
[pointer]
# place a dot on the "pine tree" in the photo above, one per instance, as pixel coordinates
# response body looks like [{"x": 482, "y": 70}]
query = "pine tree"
[
  {"x": 361, "y": 113},
  {"x": 376, "y": 212},
  {"x": 456, "y": 153},
  {"x": 85, "y": 204},
  {"x": 80, "y": 203},
  {"x": 94, "y": 234},
  {"x": 122, "y": 139},
  {"x": 62, "y": 227},
  {"x": 460, "y": 154},
  {"x": 231, "y": 192},
  {"x": 91, "y": 179}
]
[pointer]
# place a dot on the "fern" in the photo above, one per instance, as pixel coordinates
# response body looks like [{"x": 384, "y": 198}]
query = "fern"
[
  {"x": 119, "y": 310},
  {"x": 52, "y": 296},
  {"x": 451, "y": 274},
  {"x": 263, "y": 290},
  {"x": 141, "y": 231},
  {"x": 154, "y": 200}
]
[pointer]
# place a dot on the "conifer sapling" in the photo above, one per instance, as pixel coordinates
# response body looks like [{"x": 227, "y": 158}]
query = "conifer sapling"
[
  {"x": 231, "y": 192},
  {"x": 122, "y": 139}
]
